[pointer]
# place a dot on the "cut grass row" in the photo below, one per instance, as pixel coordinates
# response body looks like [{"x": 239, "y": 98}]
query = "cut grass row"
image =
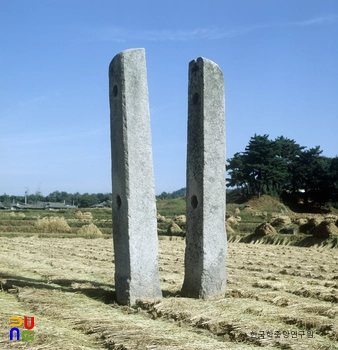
[
  {"x": 264, "y": 208},
  {"x": 62, "y": 279}
]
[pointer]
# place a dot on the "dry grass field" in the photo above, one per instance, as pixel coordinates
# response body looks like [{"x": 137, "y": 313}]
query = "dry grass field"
[{"x": 67, "y": 284}]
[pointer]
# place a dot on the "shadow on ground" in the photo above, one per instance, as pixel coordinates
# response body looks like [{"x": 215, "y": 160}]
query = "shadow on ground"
[
  {"x": 94, "y": 290},
  {"x": 292, "y": 240}
]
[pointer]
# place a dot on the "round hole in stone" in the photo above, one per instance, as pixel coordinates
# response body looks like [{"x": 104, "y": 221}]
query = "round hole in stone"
[
  {"x": 195, "y": 98},
  {"x": 118, "y": 202},
  {"x": 193, "y": 202},
  {"x": 115, "y": 90}
]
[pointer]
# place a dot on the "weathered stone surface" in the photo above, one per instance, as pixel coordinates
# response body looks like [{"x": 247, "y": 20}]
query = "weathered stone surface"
[
  {"x": 206, "y": 244},
  {"x": 134, "y": 206}
]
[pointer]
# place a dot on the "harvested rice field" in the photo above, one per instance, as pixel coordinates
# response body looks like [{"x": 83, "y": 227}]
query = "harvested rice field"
[{"x": 278, "y": 297}]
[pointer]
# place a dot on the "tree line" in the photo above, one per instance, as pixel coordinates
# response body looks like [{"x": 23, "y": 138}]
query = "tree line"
[
  {"x": 84, "y": 200},
  {"x": 175, "y": 194},
  {"x": 282, "y": 166}
]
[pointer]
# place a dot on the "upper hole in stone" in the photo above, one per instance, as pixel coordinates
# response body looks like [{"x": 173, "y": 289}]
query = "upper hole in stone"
[
  {"x": 118, "y": 202},
  {"x": 194, "y": 202},
  {"x": 115, "y": 91},
  {"x": 195, "y": 98}
]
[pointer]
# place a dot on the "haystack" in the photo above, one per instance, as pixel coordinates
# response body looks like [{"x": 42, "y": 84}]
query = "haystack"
[
  {"x": 331, "y": 218},
  {"x": 300, "y": 221},
  {"x": 79, "y": 214},
  {"x": 87, "y": 215},
  {"x": 90, "y": 229},
  {"x": 53, "y": 224},
  {"x": 311, "y": 223},
  {"x": 160, "y": 218},
  {"x": 264, "y": 229},
  {"x": 248, "y": 207},
  {"x": 181, "y": 218},
  {"x": 325, "y": 229},
  {"x": 314, "y": 221},
  {"x": 173, "y": 228},
  {"x": 281, "y": 220},
  {"x": 84, "y": 216},
  {"x": 228, "y": 228},
  {"x": 232, "y": 221}
]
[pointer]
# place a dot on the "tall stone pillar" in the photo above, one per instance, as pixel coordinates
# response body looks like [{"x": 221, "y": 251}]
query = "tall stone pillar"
[
  {"x": 134, "y": 206},
  {"x": 206, "y": 242}
]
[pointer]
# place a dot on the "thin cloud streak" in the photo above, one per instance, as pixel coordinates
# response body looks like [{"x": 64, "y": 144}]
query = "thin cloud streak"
[
  {"x": 49, "y": 138},
  {"x": 121, "y": 35},
  {"x": 319, "y": 20}
]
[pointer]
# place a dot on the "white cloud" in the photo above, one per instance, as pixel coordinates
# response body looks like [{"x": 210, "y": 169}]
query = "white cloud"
[
  {"x": 318, "y": 20},
  {"x": 45, "y": 138},
  {"x": 119, "y": 34}
]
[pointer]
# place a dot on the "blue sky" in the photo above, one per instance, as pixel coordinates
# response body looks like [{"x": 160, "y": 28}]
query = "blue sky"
[{"x": 279, "y": 59}]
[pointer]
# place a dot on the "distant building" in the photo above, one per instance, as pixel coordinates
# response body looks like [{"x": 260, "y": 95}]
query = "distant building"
[
  {"x": 57, "y": 206},
  {"x": 104, "y": 204},
  {"x": 43, "y": 206}
]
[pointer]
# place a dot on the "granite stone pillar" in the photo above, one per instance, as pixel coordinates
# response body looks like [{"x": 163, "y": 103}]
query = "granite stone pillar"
[
  {"x": 134, "y": 206},
  {"x": 206, "y": 242}
]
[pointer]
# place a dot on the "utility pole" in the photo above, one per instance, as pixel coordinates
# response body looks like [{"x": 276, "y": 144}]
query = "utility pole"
[{"x": 26, "y": 193}]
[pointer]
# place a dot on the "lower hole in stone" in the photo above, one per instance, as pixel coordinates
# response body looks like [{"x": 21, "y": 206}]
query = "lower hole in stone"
[
  {"x": 118, "y": 202},
  {"x": 194, "y": 202},
  {"x": 115, "y": 90}
]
